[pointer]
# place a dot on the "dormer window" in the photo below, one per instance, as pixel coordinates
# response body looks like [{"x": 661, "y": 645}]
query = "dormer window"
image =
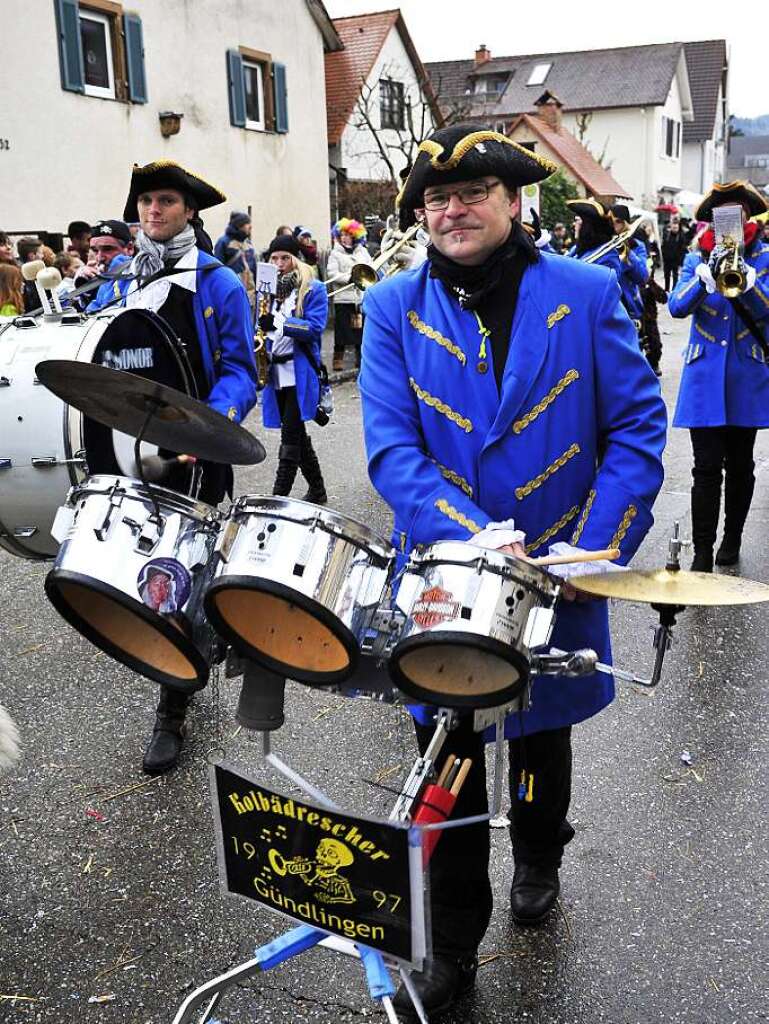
[{"x": 538, "y": 74}]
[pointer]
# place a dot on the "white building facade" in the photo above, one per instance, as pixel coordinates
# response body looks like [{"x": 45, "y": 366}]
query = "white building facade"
[{"x": 241, "y": 80}]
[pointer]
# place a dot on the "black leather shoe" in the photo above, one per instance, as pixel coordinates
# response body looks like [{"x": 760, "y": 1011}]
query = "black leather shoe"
[
  {"x": 729, "y": 552},
  {"x": 533, "y": 893},
  {"x": 316, "y": 497},
  {"x": 703, "y": 560},
  {"x": 163, "y": 749},
  {"x": 443, "y": 980}
]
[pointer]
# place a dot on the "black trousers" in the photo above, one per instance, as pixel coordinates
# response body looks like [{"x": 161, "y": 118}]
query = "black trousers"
[
  {"x": 460, "y": 890},
  {"x": 292, "y": 428},
  {"x": 671, "y": 275},
  {"x": 344, "y": 333},
  {"x": 719, "y": 452}
]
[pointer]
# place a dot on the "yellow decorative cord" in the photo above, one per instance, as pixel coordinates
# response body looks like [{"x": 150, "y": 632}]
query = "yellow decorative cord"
[
  {"x": 445, "y": 410},
  {"x": 433, "y": 335},
  {"x": 623, "y": 527},
  {"x": 553, "y": 318},
  {"x": 551, "y": 532},
  {"x": 484, "y": 333},
  {"x": 458, "y": 517},
  {"x": 704, "y": 333},
  {"x": 551, "y": 396},
  {"x": 743, "y": 334},
  {"x": 583, "y": 518},
  {"x": 709, "y": 309},
  {"x": 455, "y": 478},
  {"x": 559, "y": 463},
  {"x": 688, "y": 287}
]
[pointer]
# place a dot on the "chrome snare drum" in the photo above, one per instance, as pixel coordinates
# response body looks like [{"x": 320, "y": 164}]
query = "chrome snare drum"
[
  {"x": 296, "y": 586},
  {"x": 130, "y": 574},
  {"x": 472, "y": 617}
]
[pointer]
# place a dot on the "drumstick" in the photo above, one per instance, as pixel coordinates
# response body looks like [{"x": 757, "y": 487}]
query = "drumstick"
[
  {"x": 445, "y": 771},
  {"x": 608, "y": 554},
  {"x": 461, "y": 776},
  {"x": 449, "y": 780}
]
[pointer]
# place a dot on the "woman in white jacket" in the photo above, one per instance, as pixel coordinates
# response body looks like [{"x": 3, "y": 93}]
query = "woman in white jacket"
[{"x": 349, "y": 248}]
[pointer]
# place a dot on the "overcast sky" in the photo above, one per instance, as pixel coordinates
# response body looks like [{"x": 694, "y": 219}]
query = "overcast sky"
[{"x": 451, "y": 29}]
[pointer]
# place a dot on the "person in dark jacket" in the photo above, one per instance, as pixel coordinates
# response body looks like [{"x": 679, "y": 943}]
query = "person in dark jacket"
[
  {"x": 236, "y": 251},
  {"x": 674, "y": 245}
]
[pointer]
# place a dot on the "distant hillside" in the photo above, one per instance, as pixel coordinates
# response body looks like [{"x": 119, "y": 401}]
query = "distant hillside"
[{"x": 752, "y": 125}]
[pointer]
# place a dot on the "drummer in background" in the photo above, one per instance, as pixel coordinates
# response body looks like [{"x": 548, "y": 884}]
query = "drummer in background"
[
  {"x": 723, "y": 396},
  {"x": 490, "y": 377},
  {"x": 208, "y": 309}
]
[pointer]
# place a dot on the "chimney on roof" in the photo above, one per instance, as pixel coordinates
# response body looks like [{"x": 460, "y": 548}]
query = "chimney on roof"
[
  {"x": 549, "y": 109},
  {"x": 482, "y": 55}
]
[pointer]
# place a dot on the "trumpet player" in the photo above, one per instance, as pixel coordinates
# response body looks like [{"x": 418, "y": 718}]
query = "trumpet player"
[
  {"x": 723, "y": 397},
  {"x": 348, "y": 250}
]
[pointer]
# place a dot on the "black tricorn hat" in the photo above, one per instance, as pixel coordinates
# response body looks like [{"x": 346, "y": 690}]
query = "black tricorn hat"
[
  {"x": 462, "y": 152},
  {"x": 621, "y": 212},
  {"x": 731, "y": 192},
  {"x": 592, "y": 210},
  {"x": 169, "y": 174}
]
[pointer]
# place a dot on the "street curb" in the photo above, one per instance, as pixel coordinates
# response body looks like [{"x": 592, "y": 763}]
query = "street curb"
[{"x": 342, "y": 376}]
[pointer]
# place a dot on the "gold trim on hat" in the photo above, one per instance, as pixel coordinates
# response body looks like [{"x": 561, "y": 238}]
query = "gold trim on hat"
[
  {"x": 159, "y": 165},
  {"x": 599, "y": 208}
]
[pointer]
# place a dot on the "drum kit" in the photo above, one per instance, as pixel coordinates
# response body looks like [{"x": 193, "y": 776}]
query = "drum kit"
[{"x": 164, "y": 583}]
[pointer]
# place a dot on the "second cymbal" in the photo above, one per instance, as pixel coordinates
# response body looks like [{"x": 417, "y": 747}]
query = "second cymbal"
[{"x": 660, "y": 586}]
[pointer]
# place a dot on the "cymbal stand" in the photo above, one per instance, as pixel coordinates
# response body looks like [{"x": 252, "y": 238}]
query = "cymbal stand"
[{"x": 153, "y": 406}]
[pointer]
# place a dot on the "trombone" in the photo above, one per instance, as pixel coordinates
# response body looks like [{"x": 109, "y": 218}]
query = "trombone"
[
  {"x": 619, "y": 241},
  {"x": 364, "y": 275}
]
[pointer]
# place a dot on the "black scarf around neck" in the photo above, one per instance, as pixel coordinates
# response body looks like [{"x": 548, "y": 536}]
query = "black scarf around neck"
[{"x": 472, "y": 284}]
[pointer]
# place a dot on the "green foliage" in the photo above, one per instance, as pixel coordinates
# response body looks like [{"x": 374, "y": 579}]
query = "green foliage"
[{"x": 553, "y": 194}]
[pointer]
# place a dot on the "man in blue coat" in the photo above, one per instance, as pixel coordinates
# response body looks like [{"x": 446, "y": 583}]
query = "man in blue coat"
[
  {"x": 207, "y": 307},
  {"x": 723, "y": 396},
  {"x": 492, "y": 377}
]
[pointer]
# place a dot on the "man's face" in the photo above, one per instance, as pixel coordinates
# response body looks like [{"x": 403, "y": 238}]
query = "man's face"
[
  {"x": 163, "y": 213},
  {"x": 81, "y": 242},
  {"x": 6, "y": 250},
  {"x": 158, "y": 589},
  {"x": 106, "y": 248},
  {"x": 619, "y": 225},
  {"x": 470, "y": 233},
  {"x": 560, "y": 230},
  {"x": 284, "y": 261}
]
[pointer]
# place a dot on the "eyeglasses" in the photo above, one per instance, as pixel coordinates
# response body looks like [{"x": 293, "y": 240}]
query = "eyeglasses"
[{"x": 468, "y": 195}]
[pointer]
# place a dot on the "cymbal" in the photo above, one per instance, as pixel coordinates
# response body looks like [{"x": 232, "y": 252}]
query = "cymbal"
[
  {"x": 123, "y": 402},
  {"x": 660, "y": 586}
]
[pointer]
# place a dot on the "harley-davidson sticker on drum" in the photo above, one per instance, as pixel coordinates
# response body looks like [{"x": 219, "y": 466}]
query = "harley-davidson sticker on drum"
[
  {"x": 164, "y": 585},
  {"x": 436, "y": 605}
]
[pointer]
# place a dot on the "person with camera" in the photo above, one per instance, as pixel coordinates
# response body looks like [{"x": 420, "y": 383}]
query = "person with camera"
[{"x": 293, "y": 327}]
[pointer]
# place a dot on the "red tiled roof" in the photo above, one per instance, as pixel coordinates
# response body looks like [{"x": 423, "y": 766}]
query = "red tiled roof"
[
  {"x": 573, "y": 155},
  {"x": 363, "y": 37}
]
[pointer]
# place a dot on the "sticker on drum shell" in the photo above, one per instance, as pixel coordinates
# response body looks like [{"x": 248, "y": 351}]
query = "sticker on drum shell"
[
  {"x": 164, "y": 585},
  {"x": 434, "y": 606}
]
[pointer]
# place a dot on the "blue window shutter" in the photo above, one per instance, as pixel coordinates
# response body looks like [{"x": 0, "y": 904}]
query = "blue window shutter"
[
  {"x": 70, "y": 48},
  {"x": 134, "y": 49},
  {"x": 281, "y": 97},
  {"x": 237, "y": 89}
]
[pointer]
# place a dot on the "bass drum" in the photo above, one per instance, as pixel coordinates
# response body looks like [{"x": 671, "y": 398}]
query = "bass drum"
[{"x": 46, "y": 446}]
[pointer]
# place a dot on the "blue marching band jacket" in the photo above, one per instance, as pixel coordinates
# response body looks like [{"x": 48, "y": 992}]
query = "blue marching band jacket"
[
  {"x": 449, "y": 453},
  {"x": 725, "y": 379},
  {"x": 225, "y": 334},
  {"x": 307, "y": 332}
]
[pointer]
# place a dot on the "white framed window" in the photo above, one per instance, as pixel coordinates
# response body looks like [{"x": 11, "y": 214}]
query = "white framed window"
[
  {"x": 96, "y": 41},
  {"x": 538, "y": 74},
  {"x": 253, "y": 84}
]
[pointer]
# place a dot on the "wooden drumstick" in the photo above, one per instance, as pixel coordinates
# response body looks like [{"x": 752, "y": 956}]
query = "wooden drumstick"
[
  {"x": 608, "y": 555},
  {"x": 461, "y": 776},
  {"x": 445, "y": 770}
]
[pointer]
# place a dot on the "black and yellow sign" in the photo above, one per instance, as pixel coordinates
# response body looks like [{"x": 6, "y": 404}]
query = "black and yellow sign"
[{"x": 345, "y": 875}]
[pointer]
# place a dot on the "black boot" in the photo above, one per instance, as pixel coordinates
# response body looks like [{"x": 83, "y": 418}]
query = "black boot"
[
  {"x": 738, "y": 494},
  {"x": 706, "y": 500},
  {"x": 288, "y": 464},
  {"x": 442, "y": 981},
  {"x": 310, "y": 468},
  {"x": 162, "y": 753},
  {"x": 533, "y": 893}
]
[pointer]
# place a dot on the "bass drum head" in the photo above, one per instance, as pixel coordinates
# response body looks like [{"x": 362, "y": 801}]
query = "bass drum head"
[
  {"x": 159, "y": 648},
  {"x": 282, "y": 629},
  {"x": 456, "y": 670},
  {"x": 137, "y": 341}
]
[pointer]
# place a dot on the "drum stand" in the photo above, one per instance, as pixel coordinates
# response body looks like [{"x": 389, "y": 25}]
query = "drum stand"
[{"x": 377, "y": 967}]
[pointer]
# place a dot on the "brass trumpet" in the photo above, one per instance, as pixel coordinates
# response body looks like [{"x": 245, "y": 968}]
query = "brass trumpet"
[
  {"x": 364, "y": 275},
  {"x": 730, "y": 277}
]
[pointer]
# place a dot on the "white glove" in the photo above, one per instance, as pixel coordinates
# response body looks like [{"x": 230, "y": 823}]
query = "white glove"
[
  {"x": 498, "y": 535},
  {"x": 706, "y": 277},
  {"x": 750, "y": 277},
  {"x": 571, "y": 569},
  {"x": 280, "y": 319}
]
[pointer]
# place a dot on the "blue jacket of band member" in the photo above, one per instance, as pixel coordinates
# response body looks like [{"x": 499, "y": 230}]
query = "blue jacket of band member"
[
  {"x": 725, "y": 379},
  {"x": 610, "y": 259},
  {"x": 449, "y": 453},
  {"x": 307, "y": 331},
  {"x": 105, "y": 293},
  {"x": 634, "y": 274},
  {"x": 226, "y": 336}
]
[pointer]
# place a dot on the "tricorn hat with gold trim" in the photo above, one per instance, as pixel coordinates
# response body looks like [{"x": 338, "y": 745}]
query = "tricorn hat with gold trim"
[
  {"x": 462, "y": 152},
  {"x": 169, "y": 174},
  {"x": 598, "y": 215},
  {"x": 731, "y": 192}
]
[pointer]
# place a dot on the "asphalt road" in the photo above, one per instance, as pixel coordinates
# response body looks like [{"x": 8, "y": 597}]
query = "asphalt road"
[{"x": 108, "y": 881}]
